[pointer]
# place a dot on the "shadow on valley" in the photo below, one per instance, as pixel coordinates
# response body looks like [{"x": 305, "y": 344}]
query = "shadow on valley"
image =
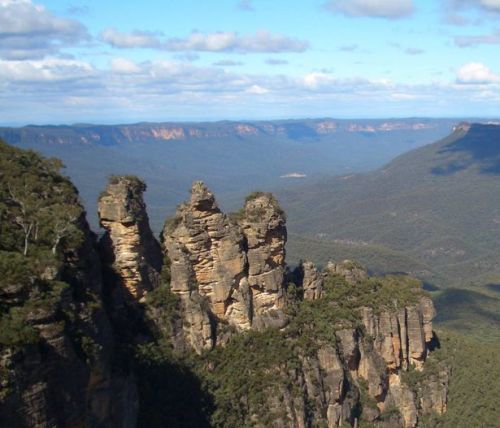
[
  {"x": 493, "y": 287},
  {"x": 479, "y": 146},
  {"x": 470, "y": 312},
  {"x": 170, "y": 393}
]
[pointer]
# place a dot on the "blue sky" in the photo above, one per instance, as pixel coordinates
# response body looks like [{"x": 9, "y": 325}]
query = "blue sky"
[{"x": 113, "y": 62}]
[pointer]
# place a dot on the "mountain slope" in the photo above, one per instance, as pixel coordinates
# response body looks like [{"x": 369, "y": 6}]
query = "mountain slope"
[{"x": 439, "y": 205}]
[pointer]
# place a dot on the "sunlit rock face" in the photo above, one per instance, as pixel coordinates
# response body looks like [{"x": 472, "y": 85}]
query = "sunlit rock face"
[
  {"x": 131, "y": 250},
  {"x": 237, "y": 265}
]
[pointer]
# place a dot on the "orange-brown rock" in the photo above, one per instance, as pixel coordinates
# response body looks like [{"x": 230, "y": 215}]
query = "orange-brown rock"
[
  {"x": 132, "y": 251},
  {"x": 238, "y": 268}
]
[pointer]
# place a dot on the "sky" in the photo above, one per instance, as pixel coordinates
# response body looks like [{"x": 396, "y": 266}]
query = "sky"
[{"x": 95, "y": 61}]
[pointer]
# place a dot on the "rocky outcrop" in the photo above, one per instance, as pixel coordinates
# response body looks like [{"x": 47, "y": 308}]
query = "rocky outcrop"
[
  {"x": 351, "y": 271},
  {"x": 238, "y": 267},
  {"x": 310, "y": 280},
  {"x": 263, "y": 225},
  {"x": 129, "y": 246},
  {"x": 402, "y": 338},
  {"x": 208, "y": 263}
]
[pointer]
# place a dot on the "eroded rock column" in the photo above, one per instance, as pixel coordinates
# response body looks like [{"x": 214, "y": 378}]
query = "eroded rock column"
[{"x": 132, "y": 251}]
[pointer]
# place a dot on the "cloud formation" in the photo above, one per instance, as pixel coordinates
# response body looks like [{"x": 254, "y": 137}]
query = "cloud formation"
[
  {"x": 458, "y": 12},
  {"x": 261, "y": 41},
  {"x": 276, "y": 61},
  {"x": 489, "y": 5},
  {"x": 159, "y": 90},
  {"x": 476, "y": 73},
  {"x": 29, "y": 31},
  {"x": 227, "y": 63},
  {"x": 389, "y": 9},
  {"x": 487, "y": 39}
]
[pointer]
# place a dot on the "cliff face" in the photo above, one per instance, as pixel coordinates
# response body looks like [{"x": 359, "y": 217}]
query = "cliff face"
[
  {"x": 356, "y": 372},
  {"x": 56, "y": 343},
  {"x": 263, "y": 225},
  {"x": 129, "y": 246},
  {"x": 64, "y": 377}
]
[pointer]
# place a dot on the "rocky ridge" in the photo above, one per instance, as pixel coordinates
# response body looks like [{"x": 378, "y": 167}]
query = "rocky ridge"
[
  {"x": 56, "y": 344},
  {"x": 147, "y": 132}
]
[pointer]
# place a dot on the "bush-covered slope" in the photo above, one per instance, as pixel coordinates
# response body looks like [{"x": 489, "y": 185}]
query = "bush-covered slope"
[{"x": 438, "y": 205}]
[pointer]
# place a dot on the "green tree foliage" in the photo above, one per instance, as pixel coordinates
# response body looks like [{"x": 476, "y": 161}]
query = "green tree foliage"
[
  {"x": 39, "y": 220},
  {"x": 38, "y": 206}
]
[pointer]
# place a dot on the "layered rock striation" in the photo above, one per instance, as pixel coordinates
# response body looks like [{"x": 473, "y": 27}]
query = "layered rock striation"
[{"x": 130, "y": 248}]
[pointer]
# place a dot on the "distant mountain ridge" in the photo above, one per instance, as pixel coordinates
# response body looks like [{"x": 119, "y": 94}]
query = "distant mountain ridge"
[
  {"x": 234, "y": 158},
  {"x": 166, "y": 131}
]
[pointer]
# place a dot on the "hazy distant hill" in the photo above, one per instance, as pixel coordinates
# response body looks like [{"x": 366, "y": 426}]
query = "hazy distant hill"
[
  {"x": 439, "y": 205},
  {"x": 233, "y": 158},
  {"x": 434, "y": 212}
]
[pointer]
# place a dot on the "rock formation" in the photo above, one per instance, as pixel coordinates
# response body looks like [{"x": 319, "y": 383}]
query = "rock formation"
[
  {"x": 131, "y": 250},
  {"x": 263, "y": 225},
  {"x": 238, "y": 267},
  {"x": 310, "y": 280},
  {"x": 351, "y": 271}
]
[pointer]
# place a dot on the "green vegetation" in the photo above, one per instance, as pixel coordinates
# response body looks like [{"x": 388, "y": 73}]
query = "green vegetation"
[
  {"x": 432, "y": 212},
  {"x": 14, "y": 330},
  {"x": 245, "y": 374},
  {"x": 474, "y": 312},
  {"x": 473, "y": 389},
  {"x": 41, "y": 228},
  {"x": 437, "y": 206},
  {"x": 39, "y": 208}
]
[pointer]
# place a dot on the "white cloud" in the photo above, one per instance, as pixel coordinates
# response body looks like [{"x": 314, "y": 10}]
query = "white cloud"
[
  {"x": 124, "y": 66},
  {"x": 261, "y": 41},
  {"x": 134, "y": 39},
  {"x": 276, "y": 61},
  {"x": 490, "y": 4},
  {"x": 461, "y": 12},
  {"x": 28, "y": 30},
  {"x": 390, "y": 9},
  {"x": 227, "y": 63},
  {"x": 73, "y": 90},
  {"x": 476, "y": 73},
  {"x": 256, "y": 89},
  {"x": 44, "y": 71}
]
